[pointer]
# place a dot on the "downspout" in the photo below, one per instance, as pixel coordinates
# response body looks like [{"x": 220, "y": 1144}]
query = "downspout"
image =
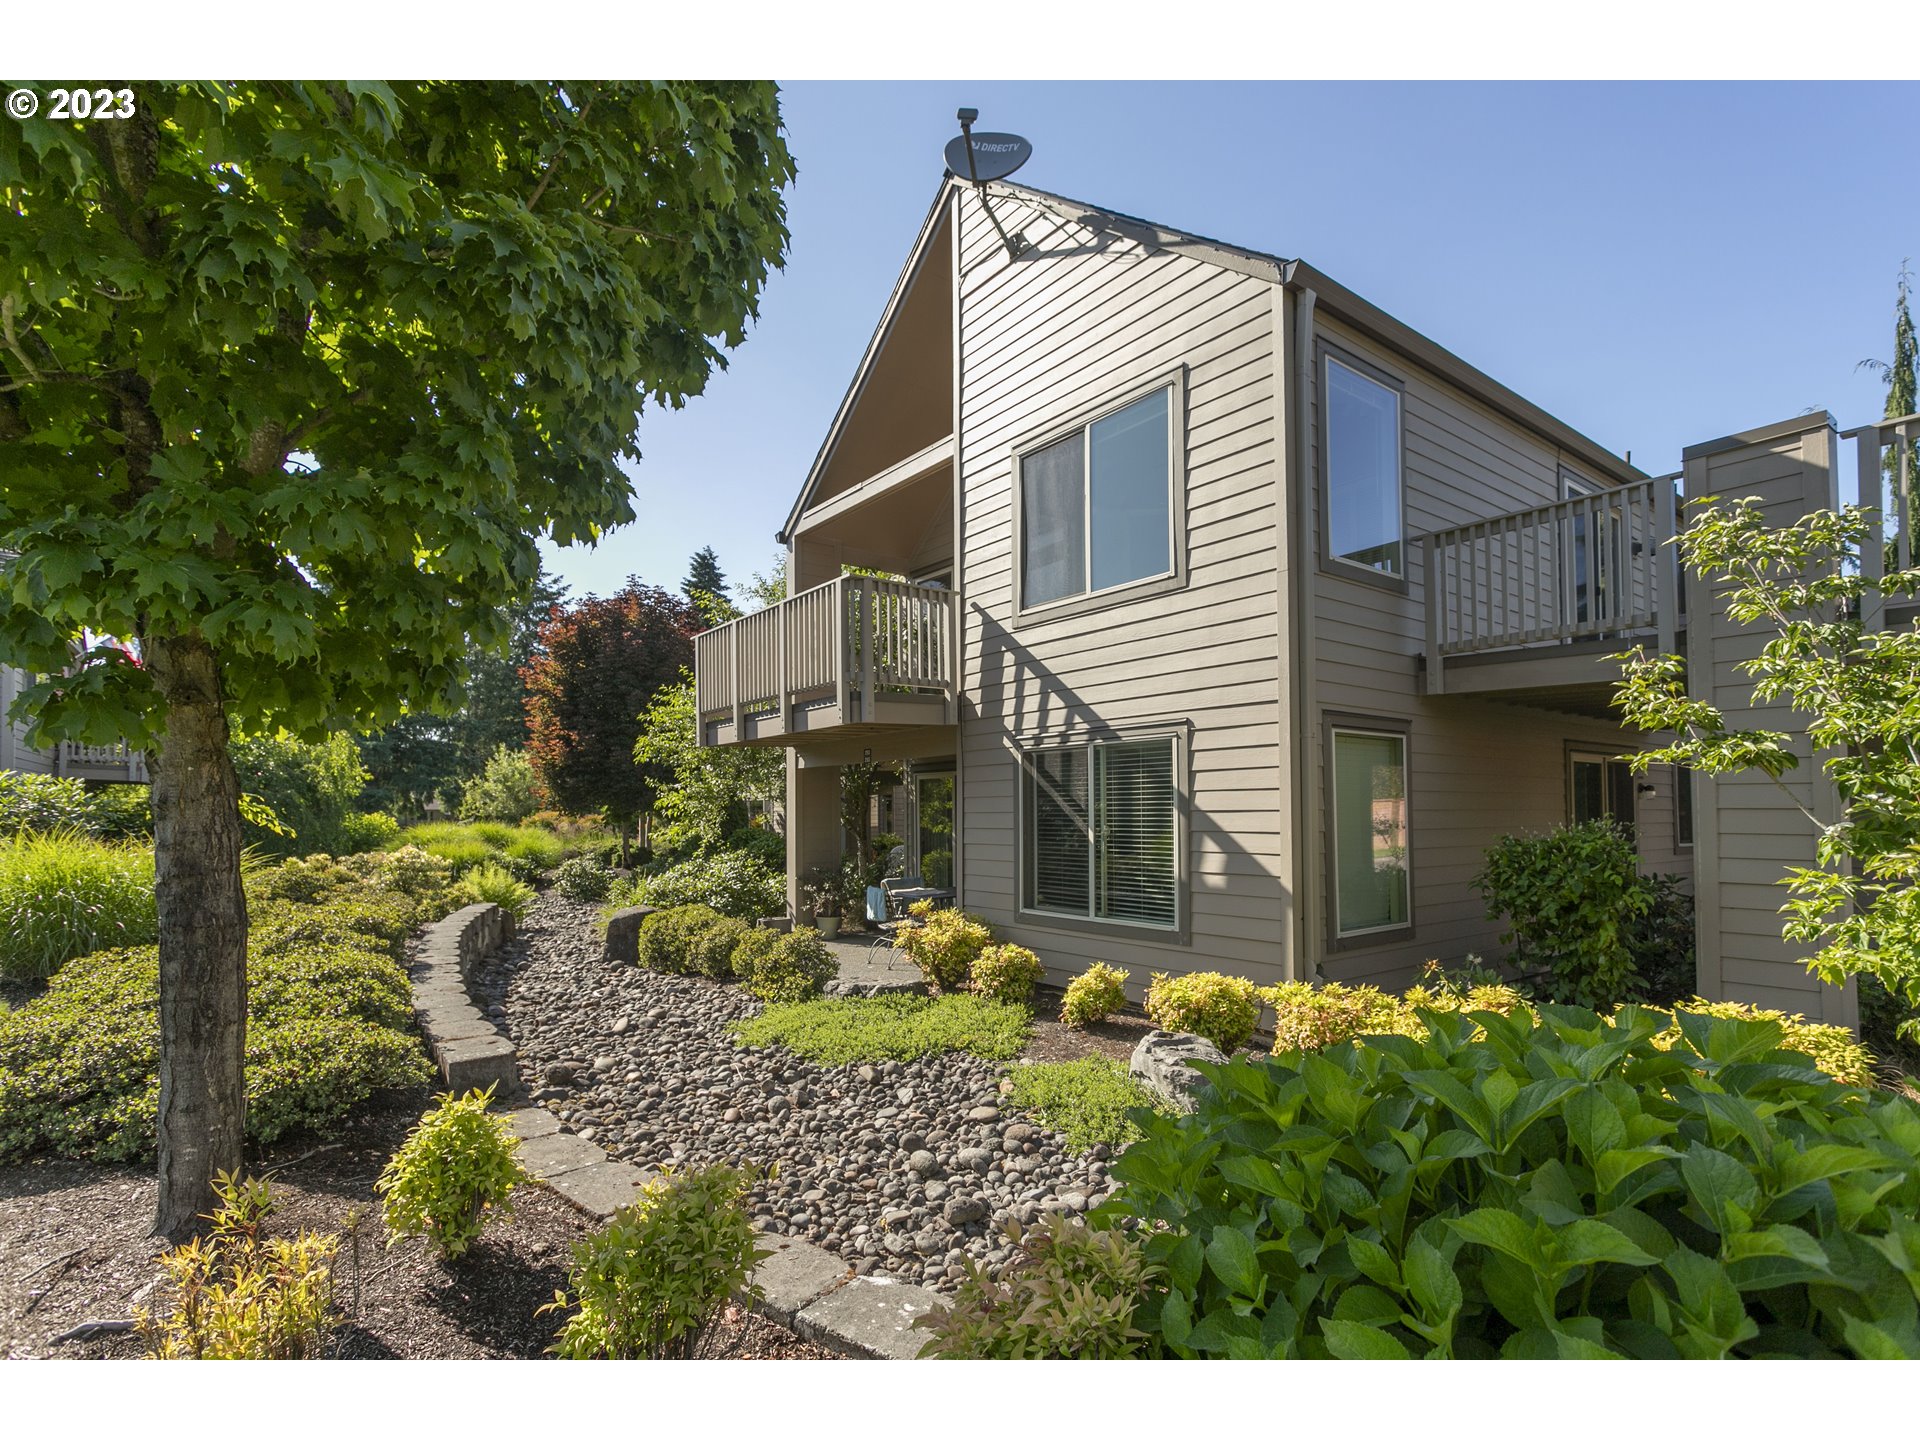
[{"x": 1302, "y": 547}]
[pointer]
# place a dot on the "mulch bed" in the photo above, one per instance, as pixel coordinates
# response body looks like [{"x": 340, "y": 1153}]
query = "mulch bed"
[
  {"x": 90, "y": 1223},
  {"x": 1113, "y": 1038}
]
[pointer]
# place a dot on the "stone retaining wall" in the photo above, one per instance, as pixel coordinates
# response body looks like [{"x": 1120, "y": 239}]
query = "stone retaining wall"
[{"x": 470, "y": 1052}]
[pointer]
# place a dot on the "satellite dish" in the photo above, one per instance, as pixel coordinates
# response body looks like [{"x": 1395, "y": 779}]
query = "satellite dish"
[{"x": 987, "y": 156}]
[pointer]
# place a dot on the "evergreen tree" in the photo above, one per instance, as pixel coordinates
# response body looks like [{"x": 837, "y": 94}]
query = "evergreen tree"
[
  {"x": 704, "y": 576},
  {"x": 1903, "y": 396}
]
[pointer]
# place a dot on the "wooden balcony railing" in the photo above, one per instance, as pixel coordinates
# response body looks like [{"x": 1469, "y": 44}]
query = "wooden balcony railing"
[
  {"x": 1576, "y": 569},
  {"x": 855, "y": 651}
]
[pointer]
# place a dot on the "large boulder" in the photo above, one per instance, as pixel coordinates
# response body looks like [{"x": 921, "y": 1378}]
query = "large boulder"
[
  {"x": 1162, "y": 1062},
  {"x": 623, "y": 934}
]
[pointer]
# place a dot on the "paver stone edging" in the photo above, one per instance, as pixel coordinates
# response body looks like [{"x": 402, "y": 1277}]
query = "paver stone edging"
[{"x": 803, "y": 1286}]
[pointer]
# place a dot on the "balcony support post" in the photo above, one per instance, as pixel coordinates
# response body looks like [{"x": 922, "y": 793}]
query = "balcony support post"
[
  {"x": 1666, "y": 567},
  {"x": 1430, "y": 580},
  {"x": 867, "y": 666}
]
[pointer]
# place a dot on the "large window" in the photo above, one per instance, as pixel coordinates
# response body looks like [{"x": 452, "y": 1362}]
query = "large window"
[
  {"x": 1361, "y": 436},
  {"x": 1096, "y": 506},
  {"x": 1371, "y": 890},
  {"x": 1101, "y": 825}
]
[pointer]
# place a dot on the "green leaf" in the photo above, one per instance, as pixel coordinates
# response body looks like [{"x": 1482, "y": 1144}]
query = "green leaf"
[
  {"x": 1592, "y": 1242},
  {"x": 1504, "y": 1231},
  {"x": 1373, "y": 1261},
  {"x": 1720, "y": 1185},
  {"x": 1594, "y": 1122},
  {"x": 1231, "y": 1257},
  {"x": 1430, "y": 1278},
  {"x": 1349, "y": 1340},
  {"x": 1794, "y": 1168}
]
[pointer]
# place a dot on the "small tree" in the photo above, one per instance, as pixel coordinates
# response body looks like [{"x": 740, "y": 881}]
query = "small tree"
[
  {"x": 1902, "y": 375},
  {"x": 293, "y": 375},
  {"x": 705, "y": 791},
  {"x": 507, "y": 790},
  {"x": 605, "y": 662},
  {"x": 1860, "y": 692}
]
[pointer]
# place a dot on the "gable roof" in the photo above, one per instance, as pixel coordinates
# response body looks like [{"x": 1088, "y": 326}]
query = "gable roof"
[{"x": 1329, "y": 295}]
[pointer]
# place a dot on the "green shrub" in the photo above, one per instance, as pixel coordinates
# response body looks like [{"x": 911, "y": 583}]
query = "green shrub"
[
  {"x": 753, "y": 950},
  {"x": 649, "y": 1286},
  {"x": 349, "y": 917},
  {"x": 1571, "y": 899},
  {"x": 1085, "y": 1100},
  {"x": 1006, "y": 973},
  {"x": 455, "y": 1165},
  {"x": 329, "y": 1023},
  {"x": 1661, "y": 941},
  {"x": 362, "y": 833},
  {"x": 889, "y": 1027},
  {"x": 492, "y": 884},
  {"x": 945, "y": 944},
  {"x": 465, "y": 846},
  {"x": 584, "y": 880},
  {"x": 1312, "y": 1017},
  {"x": 42, "y": 804},
  {"x": 1069, "y": 1294},
  {"x": 1220, "y": 1008},
  {"x": 1889, "y": 1025},
  {"x": 304, "y": 881},
  {"x": 791, "y": 969},
  {"x": 710, "y": 949},
  {"x": 239, "y": 1295},
  {"x": 731, "y": 881},
  {"x": 311, "y": 788},
  {"x": 63, "y": 894},
  {"x": 407, "y": 870},
  {"x": 1096, "y": 995},
  {"x": 668, "y": 938},
  {"x": 1562, "y": 1190},
  {"x": 507, "y": 790}
]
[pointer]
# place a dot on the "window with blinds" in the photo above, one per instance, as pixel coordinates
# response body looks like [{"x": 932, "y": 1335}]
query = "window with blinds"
[{"x": 1101, "y": 822}]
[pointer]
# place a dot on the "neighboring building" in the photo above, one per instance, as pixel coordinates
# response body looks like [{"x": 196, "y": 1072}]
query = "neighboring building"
[
  {"x": 107, "y": 763},
  {"x": 1168, "y": 705}
]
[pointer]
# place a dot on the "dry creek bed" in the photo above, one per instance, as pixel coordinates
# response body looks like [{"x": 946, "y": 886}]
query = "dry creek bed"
[{"x": 907, "y": 1168}]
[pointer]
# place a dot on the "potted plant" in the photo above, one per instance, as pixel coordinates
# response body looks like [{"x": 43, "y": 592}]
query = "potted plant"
[{"x": 821, "y": 891}]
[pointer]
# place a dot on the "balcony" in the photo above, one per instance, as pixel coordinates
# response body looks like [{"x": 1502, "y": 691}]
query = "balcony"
[
  {"x": 1528, "y": 605},
  {"x": 100, "y": 762},
  {"x": 853, "y": 658}
]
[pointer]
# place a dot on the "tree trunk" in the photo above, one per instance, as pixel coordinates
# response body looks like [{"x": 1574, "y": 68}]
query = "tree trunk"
[{"x": 203, "y": 934}]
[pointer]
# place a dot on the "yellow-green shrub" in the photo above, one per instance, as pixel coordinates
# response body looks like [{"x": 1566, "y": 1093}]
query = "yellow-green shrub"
[
  {"x": 455, "y": 1165},
  {"x": 792, "y": 968},
  {"x": 668, "y": 937},
  {"x": 1312, "y": 1017},
  {"x": 1221, "y": 1008},
  {"x": 1006, "y": 973},
  {"x": 1094, "y": 995},
  {"x": 240, "y": 1295},
  {"x": 945, "y": 944}
]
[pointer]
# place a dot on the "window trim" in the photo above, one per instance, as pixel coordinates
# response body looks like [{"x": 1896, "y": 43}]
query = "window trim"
[
  {"x": 1337, "y": 941},
  {"x": 1181, "y": 734},
  {"x": 1330, "y": 564},
  {"x": 1683, "y": 787},
  {"x": 1573, "y": 750},
  {"x": 1173, "y": 381}
]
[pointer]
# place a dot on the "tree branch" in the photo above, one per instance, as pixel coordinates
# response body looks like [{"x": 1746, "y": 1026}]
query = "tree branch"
[{"x": 560, "y": 154}]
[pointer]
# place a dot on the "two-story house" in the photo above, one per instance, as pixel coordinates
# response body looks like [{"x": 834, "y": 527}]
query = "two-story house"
[{"x": 1239, "y": 618}]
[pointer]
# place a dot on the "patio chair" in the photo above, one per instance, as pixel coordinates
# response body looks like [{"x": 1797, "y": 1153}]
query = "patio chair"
[{"x": 888, "y": 929}]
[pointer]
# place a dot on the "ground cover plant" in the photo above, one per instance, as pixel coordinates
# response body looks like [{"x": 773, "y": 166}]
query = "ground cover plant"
[
  {"x": 1221, "y": 1008},
  {"x": 1087, "y": 1100},
  {"x": 329, "y": 1015},
  {"x": 456, "y": 1165},
  {"x": 651, "y": 1284},
  {"x": 64, "y": 894},
  {"x": 1071, "y": 1294},
  {"x": 889, "y": 1027},
  {"x": 1094, "y": 995},
  {"x": 1504, "y": 1188}
]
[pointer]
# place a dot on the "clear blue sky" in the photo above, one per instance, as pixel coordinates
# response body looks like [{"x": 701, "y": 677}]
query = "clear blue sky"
[{"x": 1655, "y": 264}]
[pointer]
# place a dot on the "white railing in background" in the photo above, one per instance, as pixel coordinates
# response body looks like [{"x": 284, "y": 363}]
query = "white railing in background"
[
  {"x": 1573, "y": 569},
  {"x": 850, "y": 640},
  {"x": 99, "y": 762}
]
